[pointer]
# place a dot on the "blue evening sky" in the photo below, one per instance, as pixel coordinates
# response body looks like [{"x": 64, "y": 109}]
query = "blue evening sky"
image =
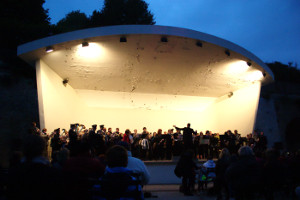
[{"x": 270, "y": 29}]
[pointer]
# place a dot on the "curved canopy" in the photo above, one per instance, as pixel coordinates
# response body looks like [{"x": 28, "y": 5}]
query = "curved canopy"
[{"x": 148, "y": 59}]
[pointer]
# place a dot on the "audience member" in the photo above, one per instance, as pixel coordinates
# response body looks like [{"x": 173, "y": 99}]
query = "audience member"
[
  {"x": 117, "y": 182},
  {"x": 222, "y": 164},
  {"x": 136, "y": 165},
  {"x": 33, "y": 178},
  {"x": 186, "y": 168},
  {"x": 244, "y": 176}
]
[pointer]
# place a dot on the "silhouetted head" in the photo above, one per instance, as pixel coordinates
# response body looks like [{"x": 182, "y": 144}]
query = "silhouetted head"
[
  {"x": 117, "y": 156},
  {"x": 245, "y": 151},
  {"x": 33, "y": 146}
]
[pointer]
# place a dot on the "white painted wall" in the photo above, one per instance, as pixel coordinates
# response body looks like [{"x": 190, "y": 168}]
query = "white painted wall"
[
  {"x": 239, "y": 111},
  {"x": 60, "y": 105}
]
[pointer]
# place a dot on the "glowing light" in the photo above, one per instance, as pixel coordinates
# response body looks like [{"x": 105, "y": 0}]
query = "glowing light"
[
  {"x": 238, "y": 67},
  {"x": 93, "y": 50},
  {"x": 254, "y": 76},
  {"x": 49, "y": 49}
]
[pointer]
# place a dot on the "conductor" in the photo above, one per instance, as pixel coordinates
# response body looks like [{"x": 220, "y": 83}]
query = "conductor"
[{"x": 187, "y": 136}]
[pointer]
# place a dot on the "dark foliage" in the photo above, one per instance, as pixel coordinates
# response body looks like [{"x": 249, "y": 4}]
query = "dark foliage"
[
  {"x": 120, "y": 12},
  {"x": 284, "y": 72},
  {"x": 114, "y": 12},
  {"x": 74, "y": 20},
  {"x": 23, "y": 21}
]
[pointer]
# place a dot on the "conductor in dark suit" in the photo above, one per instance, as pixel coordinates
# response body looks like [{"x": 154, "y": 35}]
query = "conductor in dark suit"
[{"x": 187, "y": 136}]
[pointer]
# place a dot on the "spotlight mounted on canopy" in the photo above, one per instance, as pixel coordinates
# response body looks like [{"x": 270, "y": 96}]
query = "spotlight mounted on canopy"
[
  {"x": 199, "y": 44},
  {"x": 227, "y": 52},
  {"x": 164, "y": 39},
  {"x": 123, "y": 39},
  {"x": 85, "y": 44},
  {"x": 49, "y": 49}
]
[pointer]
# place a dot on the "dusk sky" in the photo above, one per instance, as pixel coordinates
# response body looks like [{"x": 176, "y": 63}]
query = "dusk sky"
[{"x": 270, "y": 29}]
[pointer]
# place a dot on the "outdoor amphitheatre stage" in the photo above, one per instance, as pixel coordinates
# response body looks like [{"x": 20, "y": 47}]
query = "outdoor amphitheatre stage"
[{"x": 133, "y": 76}]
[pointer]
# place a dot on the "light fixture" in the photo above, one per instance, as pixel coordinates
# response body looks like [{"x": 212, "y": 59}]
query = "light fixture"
[
  {"x": 254, "y": 76},
  {"x": 123, "y": 39},
  {"x": 49, "y": 49},
  {"x": 164, "y": 39},
  {"x": 230, "y": 94},
  {"x": 264, "y": 74},
  {"x": 85, "y": 44},
  {"x": 199, "y": 44},
  {"x": 249, "y": 64},
  {"x": 65, "y": 81},
  {"x": 227, "y": 52}
]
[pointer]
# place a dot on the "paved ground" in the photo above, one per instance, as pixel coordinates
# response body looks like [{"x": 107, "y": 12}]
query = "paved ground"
[
  {"x": 165, "y": 185},
  {"x": 172, "y": 192},
  {"x": 162, "y": 172}
]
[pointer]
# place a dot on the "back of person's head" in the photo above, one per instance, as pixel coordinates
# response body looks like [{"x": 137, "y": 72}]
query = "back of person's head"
[
  {"x": 189, "y": 153},
  {"x": 33, "y": 146},
  {"x": 224, "y": 153},
  {"x": 245, "y": 151},
  {"x": 125, "y": 145},
  {"x": 83, "y": 148},
  {"x": 116, "y": 156},
  {"x": 188, "y": 125}
]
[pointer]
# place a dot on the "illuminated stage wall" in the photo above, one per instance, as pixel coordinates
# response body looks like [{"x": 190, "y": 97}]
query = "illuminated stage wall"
[
  {"x": 135, "y": 76},
  {"x": 60, "y": 105}
]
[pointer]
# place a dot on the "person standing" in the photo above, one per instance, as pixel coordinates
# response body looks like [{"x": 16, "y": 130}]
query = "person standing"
[
  {"x": 187, "y": 136},
  {"x": 126, "y": 136}
]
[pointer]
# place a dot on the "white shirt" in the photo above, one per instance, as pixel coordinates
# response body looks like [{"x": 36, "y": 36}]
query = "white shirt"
[{"x": 138, "y": 166}]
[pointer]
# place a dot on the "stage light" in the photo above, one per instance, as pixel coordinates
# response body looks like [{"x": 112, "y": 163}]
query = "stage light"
[
  {"x": 85, "y": 44},
  {"x": 65, "y": 81},
  {"x": 123, "y": 39},
  {"x": 199, "y": 44},
  {"x": 237, "y": 67},
  {"x": 227, "y": 52},
  {"x": 254, "y": 76},
  {"x": 164, "y": 39},
  {"x": 93, "y": 50},
  {"x": 49, "y": 49}
]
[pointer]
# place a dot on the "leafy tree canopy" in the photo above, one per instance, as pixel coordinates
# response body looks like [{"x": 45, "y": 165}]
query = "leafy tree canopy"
[
  {"x": 23, "y": 21},
  {"x": 284, "y": 72},
  {"x": 73, "y": 21},
  {"x": 114, "y": 12},
  {"x": 119, "y": 12}
]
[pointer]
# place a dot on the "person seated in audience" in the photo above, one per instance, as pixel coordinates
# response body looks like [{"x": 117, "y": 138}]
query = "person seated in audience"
[
  {"x": 221, "y": 165},
  {"x": 136, "y": 165},
  {"x": 117, "y": 182},
  {"x": 275, "y": 174},
  {"x": 207, "y": 173},
  {"x": 244, "y": 175},
  {"x": 80, "y": 171},
  {"x": 33, "y": 178}
]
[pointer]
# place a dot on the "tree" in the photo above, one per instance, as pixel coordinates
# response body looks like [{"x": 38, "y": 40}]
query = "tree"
[
  {"x": 23, "y": 21},
  {"x": 285, "y": 73},
  {"x": 74, "y": 20},
  {"x": 121, "y": 12}
]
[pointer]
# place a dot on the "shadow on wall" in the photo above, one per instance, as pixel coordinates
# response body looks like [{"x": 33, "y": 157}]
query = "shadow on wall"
[{"x": 292, "y": 134}]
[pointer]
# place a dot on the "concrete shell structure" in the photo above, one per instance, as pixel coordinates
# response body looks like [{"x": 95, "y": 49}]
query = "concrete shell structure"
[{"x": 141, "y": 75}]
